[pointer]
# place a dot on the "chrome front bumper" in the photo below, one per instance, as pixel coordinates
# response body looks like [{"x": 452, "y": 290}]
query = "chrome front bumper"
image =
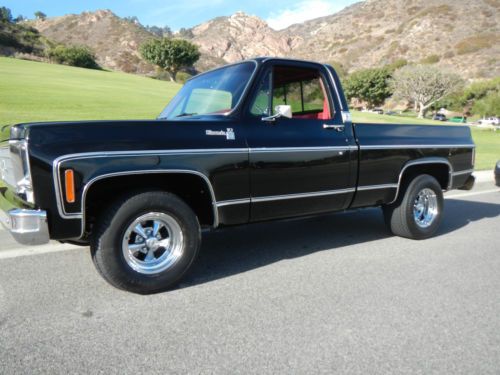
[{"x": 28, "y": 227}]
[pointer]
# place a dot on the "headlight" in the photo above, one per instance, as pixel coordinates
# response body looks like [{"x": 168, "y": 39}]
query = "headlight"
[{"x": 22, "y": 171}]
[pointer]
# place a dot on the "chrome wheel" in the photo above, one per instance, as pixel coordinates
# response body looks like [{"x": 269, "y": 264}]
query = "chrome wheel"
[
  {"x": 153, "y": 243},
  {"x": 425, "y": 208}
]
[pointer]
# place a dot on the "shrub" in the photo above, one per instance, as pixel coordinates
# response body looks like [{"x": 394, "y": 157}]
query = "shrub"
[
  {"x": 75, "y": 56},
  {"x": 432, "y": 59},
  {"x": 475, "y": 43},
  {"x": 182, "y": 77}
]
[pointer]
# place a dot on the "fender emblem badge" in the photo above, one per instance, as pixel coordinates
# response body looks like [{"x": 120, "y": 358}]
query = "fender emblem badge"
[{"x": 229, "y": 133}]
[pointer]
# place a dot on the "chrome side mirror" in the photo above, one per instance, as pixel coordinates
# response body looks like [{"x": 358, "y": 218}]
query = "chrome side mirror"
[{"x": 281, "y": 111}]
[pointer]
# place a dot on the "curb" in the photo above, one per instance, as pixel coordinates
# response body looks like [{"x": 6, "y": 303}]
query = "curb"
[{"x": 484, "y": 176}]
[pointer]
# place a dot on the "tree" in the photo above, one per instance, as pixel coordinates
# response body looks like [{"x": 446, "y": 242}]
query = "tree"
[
  {"x": 170, "y": 54},
  {"x": 424, "y": 85},
  {"x": 488, "y": 106},
  {"x": 19, "y": 19},
  {"x": 370, "y": 85},
  {"x": 40, "y": 15},
  {"x": 160, "y": 32},
  {"x": 5, "y": 14},
  {"x": 186, "y": 33}
]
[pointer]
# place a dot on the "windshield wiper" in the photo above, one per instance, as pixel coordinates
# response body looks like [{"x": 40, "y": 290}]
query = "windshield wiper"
[{"x": 186, "y": 114}]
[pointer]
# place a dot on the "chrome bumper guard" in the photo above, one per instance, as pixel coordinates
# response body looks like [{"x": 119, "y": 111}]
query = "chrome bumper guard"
[{"x": 28, "y": 227}]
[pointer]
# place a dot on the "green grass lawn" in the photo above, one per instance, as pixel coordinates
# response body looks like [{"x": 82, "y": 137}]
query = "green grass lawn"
[{"x": 32, "y": 91}]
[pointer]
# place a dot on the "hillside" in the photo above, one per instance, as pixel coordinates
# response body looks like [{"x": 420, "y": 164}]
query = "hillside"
[
  {"x": 462, "y": 35},
  {"x": 114, "y": 40},
  {"x": 239, "y": 37}
]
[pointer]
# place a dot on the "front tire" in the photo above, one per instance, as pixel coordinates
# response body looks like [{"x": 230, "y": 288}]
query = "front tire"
[
  {"x": 145, "y": 243},
  {"x": 418, "y": 212}
]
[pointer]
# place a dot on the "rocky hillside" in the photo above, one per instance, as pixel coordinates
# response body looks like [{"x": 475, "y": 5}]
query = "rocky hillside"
[
  {"x": 115, "y": 41},
  {"x": 463, "y": 35},
  {"x": 238, "y": 37}
]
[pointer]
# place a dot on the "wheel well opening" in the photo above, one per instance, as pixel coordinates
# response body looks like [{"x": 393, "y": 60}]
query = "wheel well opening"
[
  {"x": 192, "y": 189},
  {"x": 440, "y": 171}
]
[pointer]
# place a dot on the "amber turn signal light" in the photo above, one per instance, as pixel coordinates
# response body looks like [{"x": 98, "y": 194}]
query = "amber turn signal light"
[{"x": 69, "y": 182}]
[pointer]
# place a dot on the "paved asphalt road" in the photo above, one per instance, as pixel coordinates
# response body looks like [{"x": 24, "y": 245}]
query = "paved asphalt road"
[{"x": 332, "y": 294}]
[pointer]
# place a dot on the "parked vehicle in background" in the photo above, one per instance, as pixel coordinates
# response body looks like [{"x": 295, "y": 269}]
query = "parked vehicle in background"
[
  {"x": 391, "y": 113},
  {"x": 489, "y": 121},
  {"x": 263, "y": 139},
  {"x": 497, "y": 173},
  {"x": 458, "y": 119},
  {"x": 439, "y": 117},
  {"x": 380, "y": 111}
]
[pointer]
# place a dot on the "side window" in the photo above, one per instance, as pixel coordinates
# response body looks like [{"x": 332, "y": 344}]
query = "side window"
[{"x": 303, "y": 89}]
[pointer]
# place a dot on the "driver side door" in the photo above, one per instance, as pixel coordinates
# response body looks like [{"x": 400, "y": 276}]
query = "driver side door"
[{"x": 299, "y": 165}]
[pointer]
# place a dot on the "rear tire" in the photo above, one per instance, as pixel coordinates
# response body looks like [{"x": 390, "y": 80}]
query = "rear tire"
[
  {"x": 418, "y": 211},
  {"x": 145, "y": 243}
]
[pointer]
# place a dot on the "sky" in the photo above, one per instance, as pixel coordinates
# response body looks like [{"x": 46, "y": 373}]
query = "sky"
[{"x": 185, "y": 13}]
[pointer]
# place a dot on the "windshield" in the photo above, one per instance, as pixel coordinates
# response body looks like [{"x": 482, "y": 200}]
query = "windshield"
[{"x": 217, "y": 92}]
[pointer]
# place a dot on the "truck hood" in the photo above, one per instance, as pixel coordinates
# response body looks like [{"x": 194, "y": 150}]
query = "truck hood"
[{"x": 58, "y": 138}]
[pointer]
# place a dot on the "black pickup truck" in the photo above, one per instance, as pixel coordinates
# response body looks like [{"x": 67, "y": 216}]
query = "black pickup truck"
[{"x": 262, "y": 139}]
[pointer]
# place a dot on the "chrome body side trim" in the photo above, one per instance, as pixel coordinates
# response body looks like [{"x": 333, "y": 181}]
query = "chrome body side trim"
[
  {"x": 58, "y": 161},
  {"x": 233, "y": 202},
  {"x": 377, "y": 187},
  {"x": 389, "y": 147},
  {"x": 301, "y": 149},
  {"x": 458, "y": 173},
  {"x": 271, "y": 198},
  {"x": 301, "y": 195},
  {"x": 154, "y": 171},
  {"x": 430, "y": 160}
]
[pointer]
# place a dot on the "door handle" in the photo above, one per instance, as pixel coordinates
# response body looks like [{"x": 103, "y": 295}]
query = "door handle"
[{"x": 339, "y": 128}]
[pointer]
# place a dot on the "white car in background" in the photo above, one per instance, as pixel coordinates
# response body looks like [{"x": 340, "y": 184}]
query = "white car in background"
[{"x": 489, "y": 122}]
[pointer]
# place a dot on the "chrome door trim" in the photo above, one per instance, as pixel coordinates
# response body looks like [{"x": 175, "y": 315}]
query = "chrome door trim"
[
  {"x": 271, "y": 198},
  {"x": 377, "y": 187},
  {"x": 301, "y": 195},
  {"x": 334, "y": 84},
  {"x": 302, "y": 149}
]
